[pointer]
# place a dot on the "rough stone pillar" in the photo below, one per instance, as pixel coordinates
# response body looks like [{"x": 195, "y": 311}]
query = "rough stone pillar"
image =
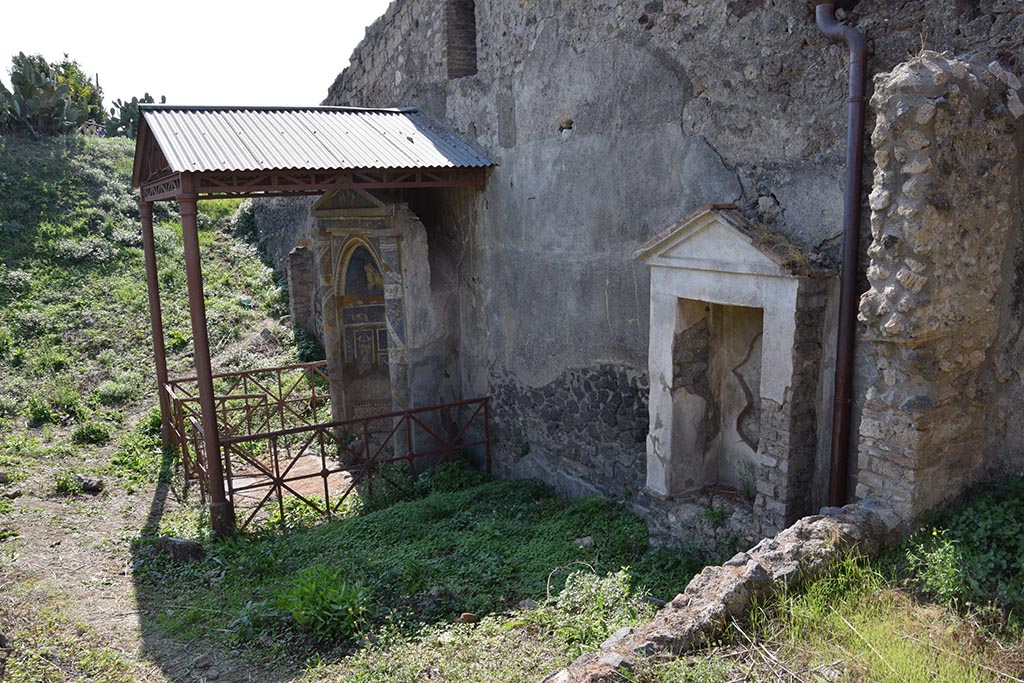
[
  {"x": 300, "y": 287},
  {"x": 941, "y": 208}
]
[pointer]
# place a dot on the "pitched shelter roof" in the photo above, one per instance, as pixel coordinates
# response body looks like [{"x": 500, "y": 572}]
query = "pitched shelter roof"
[{"x": 216, "y": 141}]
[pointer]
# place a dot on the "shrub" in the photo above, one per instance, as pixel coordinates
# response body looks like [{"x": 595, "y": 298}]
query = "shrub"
[
  {"x": 307, "y": 346},
  {"x": 321, "y": 602},
  {"x": 91, "y": 432},
  {"x": 51, "y": 98},
  {"x": 243, "y": 222},
  {"x": 66, "y": 483}
]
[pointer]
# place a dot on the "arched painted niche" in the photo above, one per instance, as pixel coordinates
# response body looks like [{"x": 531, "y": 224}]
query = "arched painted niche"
[{"x": 360, "y": 300}]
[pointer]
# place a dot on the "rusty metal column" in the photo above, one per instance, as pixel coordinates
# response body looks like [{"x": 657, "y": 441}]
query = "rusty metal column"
[
  {"x": 222, "y": 516},
  {"x": 156, "y": 320}
]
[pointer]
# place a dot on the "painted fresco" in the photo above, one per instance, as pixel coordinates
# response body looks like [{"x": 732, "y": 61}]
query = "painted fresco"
[
  {"x": 363, "y": 278},
  {"x": 363, "y": 313}
]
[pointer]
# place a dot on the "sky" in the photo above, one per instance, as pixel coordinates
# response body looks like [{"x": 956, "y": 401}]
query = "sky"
[{"x": 212, "y": 52}]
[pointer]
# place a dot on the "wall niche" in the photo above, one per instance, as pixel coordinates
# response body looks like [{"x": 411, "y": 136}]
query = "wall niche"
[
  {"x": 716, "y": 395},
  {"x": 734, "y": 363}
]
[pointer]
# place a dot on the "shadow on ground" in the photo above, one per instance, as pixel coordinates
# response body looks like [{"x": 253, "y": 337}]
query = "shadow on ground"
[{"x": 455, "y": 546}]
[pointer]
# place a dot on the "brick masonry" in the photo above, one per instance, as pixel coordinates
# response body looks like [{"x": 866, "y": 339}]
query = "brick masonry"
[{"x": 941, "y": 211}]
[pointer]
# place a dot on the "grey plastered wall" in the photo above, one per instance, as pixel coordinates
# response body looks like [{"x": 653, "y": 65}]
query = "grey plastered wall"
[{"x": 608, "y": 120}]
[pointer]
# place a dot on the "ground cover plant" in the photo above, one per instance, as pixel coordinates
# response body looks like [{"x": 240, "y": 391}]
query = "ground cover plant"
[{"x": 399, "y": 575}]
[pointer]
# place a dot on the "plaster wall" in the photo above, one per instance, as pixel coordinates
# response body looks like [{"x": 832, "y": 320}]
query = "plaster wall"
[{"x": 609, "y": 119}]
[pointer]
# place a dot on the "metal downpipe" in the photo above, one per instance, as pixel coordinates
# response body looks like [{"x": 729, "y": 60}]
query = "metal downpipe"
[{"x": 825, "y": 15}]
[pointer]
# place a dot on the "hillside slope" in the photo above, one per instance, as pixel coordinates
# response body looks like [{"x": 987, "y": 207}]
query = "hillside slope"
[{"x": 77, "y": 391}]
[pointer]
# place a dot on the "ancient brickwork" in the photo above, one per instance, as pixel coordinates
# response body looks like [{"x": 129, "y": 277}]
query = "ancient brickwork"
[
  {"x": 588, "y": 429},
  {"x": 789, "y": 431},
  {"x": 302, "y": 293},
  {"x": 461, "y": 38},
  {"x": 942, "y": 207}
]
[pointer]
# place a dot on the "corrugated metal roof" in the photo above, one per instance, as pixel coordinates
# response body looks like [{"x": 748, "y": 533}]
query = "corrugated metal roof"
[{"x": 199, "y": 139}]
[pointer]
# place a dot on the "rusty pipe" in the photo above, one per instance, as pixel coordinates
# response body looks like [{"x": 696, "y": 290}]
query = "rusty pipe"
[{"x": 837, "y": 32}]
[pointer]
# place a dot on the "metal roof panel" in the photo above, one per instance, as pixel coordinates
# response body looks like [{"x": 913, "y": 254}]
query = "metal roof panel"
[{"x": 199, "y": 139}]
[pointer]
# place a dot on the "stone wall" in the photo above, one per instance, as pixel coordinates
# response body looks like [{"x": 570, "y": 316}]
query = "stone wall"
[
  {"x": 945, "y": 199},
  {"x": 809, "y": 549},
  {"x": 585, "y": 431},
  {"x": 609, "y": 119}
]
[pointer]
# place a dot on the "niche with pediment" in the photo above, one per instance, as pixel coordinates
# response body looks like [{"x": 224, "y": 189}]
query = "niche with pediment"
[{"x": 734, "y": 361}]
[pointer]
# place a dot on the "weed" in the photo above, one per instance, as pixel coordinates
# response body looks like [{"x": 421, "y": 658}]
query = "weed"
[
  {"x": 116, "y": 392},
  {"x": 323, "y": 603},
  {"x": 704, "y": 669},
  {"x": 972, "y": 558},
  {"x": 65, "y": 483},
  {"x": 91, "y": 432},
  {"x": 590, "y": 607},
  {"x": 307, "y": 346},
  {"x": 38, "y": 411},
  {"x": 140, "y": 458},
  {"x": 716, "y": 517}
]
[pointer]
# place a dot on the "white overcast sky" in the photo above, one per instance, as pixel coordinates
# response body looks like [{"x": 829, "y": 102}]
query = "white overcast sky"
[{"x": 195, "y": 52}]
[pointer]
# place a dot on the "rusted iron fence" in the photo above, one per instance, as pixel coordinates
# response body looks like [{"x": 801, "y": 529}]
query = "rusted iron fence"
[
  {"x": 280, "y": 445},
  {"x": 322, "y": 465},
  {"x": 248, "y": 402}
]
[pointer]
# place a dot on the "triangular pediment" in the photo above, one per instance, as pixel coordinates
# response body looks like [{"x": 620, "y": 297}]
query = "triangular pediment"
[
  {"x": 718, "y": 238},
  {"x": 342, "y": 200}
]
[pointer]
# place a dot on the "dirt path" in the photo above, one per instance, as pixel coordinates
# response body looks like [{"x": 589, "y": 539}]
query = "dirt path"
[{"x": 69, "y": 607}]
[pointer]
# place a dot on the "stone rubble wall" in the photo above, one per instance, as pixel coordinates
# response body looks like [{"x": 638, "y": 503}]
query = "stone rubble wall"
[
  {"x": 944, "y": 201},
  {"x": 596, "y": 420},
  {"x": 808, "y": 550}
]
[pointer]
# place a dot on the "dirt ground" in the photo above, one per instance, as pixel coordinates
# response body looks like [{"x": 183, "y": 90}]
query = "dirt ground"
[{"x": 69, "y": 608}]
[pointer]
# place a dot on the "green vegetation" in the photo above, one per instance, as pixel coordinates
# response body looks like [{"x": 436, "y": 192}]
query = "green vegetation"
[
  {"x": 49, "y": 98},
  {"x": 972, "y": 558},
  {"x": 944, "y": 605},
  {"x": 74, "y": 341},
  {"x": 124, "y": 117},
  {"x": 460, "y": 544}
]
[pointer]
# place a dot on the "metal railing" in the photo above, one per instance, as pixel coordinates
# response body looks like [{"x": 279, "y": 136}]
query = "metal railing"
[
  {"x": 278, "y": 441},
  {"x": 335, "y": 458},
  {"x": 247, "y": 402}
]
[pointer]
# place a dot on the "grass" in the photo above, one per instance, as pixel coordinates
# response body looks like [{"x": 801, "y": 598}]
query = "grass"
[
  {"x": 76, "y": 381},
  {"x": 943, "y": 605},
  {"x": 403, "y": 573}
]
